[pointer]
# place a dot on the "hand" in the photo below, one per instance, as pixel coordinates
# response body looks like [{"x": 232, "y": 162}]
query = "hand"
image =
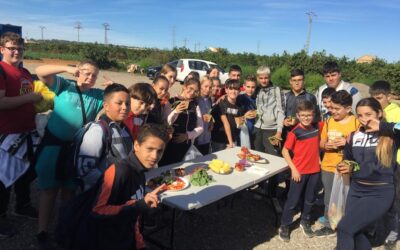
[
  {"x": 151, "y": 199},
  {"x": 287, "y": 122},
  {"x": 239, "y": 121},
  {"x": 343, "y": 168},
  {"x": 220, "y": 99},
  {"x": 330, "y": 145},
  {"x": 181, "y": 137},
  {"x": 296, "y": 176},
  {"x": 34, "y": 97},
  {"x": 182, "y": 106},
  {"x": 107, "y": 82},
  {"x": 170, "y": 131},
  {"x": 372, "y": 125},
  {"x": 207, "y": 117},
  {"x": 278, "y": 138},
  {"x": 339, "y": 142},
  {"x": 73, "y": 71},
  {"x": 251, "y": 114},
  {"x": 230, "y": 145}
]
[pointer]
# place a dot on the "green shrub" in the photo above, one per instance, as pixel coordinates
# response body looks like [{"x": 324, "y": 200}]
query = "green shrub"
[
  {"x": 313, "y": 81},
  {"x": 281, "y": 76}
]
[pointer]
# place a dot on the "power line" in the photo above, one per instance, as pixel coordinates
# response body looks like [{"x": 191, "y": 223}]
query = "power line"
[
  {"x": 310, "y": 15},
  {"x": 258, "y": 47},
  {"x": 106, "y": 28},
  {"x": 78, "y": 27},
  {"x": 42, "y": 30}
]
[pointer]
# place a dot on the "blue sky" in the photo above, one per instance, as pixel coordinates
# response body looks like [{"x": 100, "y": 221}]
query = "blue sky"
[{"x": 343, "y": 28}]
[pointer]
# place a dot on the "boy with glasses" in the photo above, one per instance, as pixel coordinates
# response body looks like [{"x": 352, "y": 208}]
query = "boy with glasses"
[
  {"x": 303, "y": 144},
  {"x": 17, "y": 128}
]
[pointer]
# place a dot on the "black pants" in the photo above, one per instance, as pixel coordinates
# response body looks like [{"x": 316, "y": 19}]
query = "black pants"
[
  {"x": 306, "y": 186},
  {"x": 364, "y": 205},
  {"x": 174, "y": 152},
  {"x": 22, "y": 189},
  {"x": 204, "y": 148}
]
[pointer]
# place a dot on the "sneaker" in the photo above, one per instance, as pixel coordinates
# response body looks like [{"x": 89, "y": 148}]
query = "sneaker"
[
  {"x": 323, "y": 232},
  {"x": 27, "y": 211},
  {"x": 390, "y": 244},
  {"x": 44, "y": 242},
  {"x": 6, "y": 229},
  {"x": 284, "y": 233},
  {"x": 306, "y": 228}
]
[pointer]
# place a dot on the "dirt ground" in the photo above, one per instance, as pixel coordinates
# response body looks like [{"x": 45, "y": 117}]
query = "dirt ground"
[{"x": 249, "y": 224}]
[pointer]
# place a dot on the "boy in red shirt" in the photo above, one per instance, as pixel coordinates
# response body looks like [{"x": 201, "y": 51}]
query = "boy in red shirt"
[
  {"x": 17, "y": 130},
  {"x": 303, "y": 142}
]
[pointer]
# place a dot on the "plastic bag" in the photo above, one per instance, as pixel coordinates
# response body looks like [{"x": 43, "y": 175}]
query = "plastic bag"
[
  {"x": 192, "y": 153},
  {"x": 244, "y": 136},
  {"x": 41, "y": 120},
  {"x": 337, "y": 202},
  {"x": 48, "y": 97}
]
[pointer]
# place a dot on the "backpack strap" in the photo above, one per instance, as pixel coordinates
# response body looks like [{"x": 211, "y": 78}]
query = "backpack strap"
[
  {"x": 107, "y": 136},
  {"x": 82, "y": 104}
]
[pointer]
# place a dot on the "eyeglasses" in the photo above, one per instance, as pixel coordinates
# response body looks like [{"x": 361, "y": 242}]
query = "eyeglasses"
[
  {"x": 13, "y": 49},
  {"x": 233, "y": 88}
]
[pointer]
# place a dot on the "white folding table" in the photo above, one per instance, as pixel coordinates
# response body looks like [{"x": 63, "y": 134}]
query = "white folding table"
[{"x": 195, "y": 197}]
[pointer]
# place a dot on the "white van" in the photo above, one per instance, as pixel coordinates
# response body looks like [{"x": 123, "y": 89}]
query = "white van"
[{"x": 185, "y": 66}]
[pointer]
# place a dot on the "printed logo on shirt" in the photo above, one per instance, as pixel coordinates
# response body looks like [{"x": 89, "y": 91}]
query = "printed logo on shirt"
[
  {"x": 232, "y": 111},
  {"x": 26, "y": 87},
  {"x": 364, "y": 140},
  {"x": 139, "y": 194},
  {"x": 334, "y": 134}
]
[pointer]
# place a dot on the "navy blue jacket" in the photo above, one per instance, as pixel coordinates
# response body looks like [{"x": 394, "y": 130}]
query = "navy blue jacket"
[{"x": 361, "y": 149}]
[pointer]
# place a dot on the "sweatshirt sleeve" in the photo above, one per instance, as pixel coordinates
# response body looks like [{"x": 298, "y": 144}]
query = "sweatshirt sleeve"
[
  {"x": 199, "y": 126},
  {"x": 280, "y": 110}
]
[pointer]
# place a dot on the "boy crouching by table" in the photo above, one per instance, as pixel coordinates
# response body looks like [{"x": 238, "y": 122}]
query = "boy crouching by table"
[
  {"x": 114, "y": 204},
  {"x": 303, "y": 143}
]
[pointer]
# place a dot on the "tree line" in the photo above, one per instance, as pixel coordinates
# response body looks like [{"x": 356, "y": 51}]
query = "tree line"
[{"x": 118, "y": 57}]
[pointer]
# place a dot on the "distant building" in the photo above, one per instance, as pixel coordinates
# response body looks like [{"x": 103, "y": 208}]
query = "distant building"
[{"x": 366, "y": 59}]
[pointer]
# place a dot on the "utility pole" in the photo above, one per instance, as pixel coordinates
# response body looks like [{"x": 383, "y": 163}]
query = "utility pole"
[
  {"x": 185, "y": 42},
  {"x": 173, "y": 37},
  {"x": 258, "y": 47},
  {"x": 78, "y": 27},
  {"x": 197, "y": 46},
  {"x": 310, "y": 15},
  {"x": 106, "y": 28},
  {"x": 41, "y": 30}
]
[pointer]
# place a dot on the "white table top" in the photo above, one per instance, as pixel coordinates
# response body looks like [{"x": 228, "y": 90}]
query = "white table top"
[{"x": 195, "y": 197}]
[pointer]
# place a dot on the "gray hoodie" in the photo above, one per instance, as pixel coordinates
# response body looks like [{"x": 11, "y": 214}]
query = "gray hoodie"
[{"x": 270, "y": 108}]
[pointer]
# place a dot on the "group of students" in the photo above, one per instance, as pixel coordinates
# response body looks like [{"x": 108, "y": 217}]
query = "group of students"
[{"x": 118, "y": 133}]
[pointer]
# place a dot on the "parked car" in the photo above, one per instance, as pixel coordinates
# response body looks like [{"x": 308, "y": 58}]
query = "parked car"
[
  {"x": 185, "y": 66},
  {"x": 152, "y": 71}
]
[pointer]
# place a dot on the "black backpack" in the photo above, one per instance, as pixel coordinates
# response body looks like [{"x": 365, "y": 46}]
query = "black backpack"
[{"x": 73, "y": 225}]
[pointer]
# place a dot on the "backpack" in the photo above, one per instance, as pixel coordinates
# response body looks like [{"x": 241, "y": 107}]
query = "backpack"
[
  {"x": 73, "y": 221},
  {"x": 71, "y": 164}
]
